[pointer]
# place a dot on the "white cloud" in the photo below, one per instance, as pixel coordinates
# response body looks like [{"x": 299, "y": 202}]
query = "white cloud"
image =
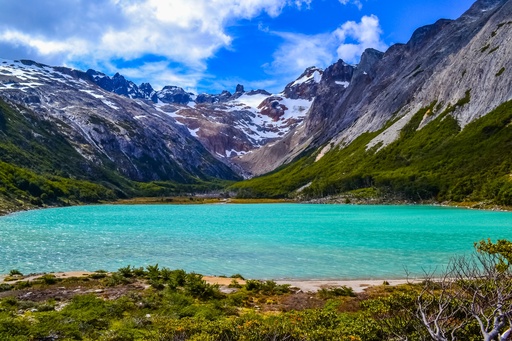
[
  {"x": 355, "y": 2},
  {"x": 348, "y": 42},
  {"x": 300, "y": 51},
  {"x": 366, "y": 34},
  {"x": 41, "y": 45},
  {"x": 182, "y": 34},
  {"x": 180, "y": 31}
]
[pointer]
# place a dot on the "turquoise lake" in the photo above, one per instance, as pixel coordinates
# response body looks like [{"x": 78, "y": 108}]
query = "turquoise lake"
[{"x": 266, "y": 241}]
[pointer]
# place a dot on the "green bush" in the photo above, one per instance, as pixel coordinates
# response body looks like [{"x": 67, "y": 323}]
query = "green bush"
[
  {"x": 327, "y": 293},
  {"x": 267, "y": 287},
  {"x": 48, "y": 279},
  {"x": 196, "y": 287},
  {"x": 15, "y": 272},
  {"x": 22, "y": 285},
  {"x": 5, "y": 287}
]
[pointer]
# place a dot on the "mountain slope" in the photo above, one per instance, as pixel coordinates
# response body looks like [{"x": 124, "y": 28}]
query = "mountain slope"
[
  {"x": 438, "y": 162},
  {"x": 115, "y": 118},
  {"x": 38, "y": 166},
  {"x": 440, "y": 63},
  {"x": 127, "y": 136},
  {"x": 416, "y": 122},
  {"x": 228, "y": 125}
]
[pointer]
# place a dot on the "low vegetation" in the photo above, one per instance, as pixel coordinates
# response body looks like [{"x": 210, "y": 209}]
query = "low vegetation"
[{"x": 472, "y": 300}]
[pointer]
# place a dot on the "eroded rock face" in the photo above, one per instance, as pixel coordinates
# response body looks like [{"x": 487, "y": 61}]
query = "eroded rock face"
[
  {"x": 231, "y": 124},
  {"x": 441, "y": 63},
  {"x": 272, "y": 107}
]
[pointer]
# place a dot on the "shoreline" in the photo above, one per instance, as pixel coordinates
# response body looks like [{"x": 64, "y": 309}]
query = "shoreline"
[
  {"x": 305, "y": 285},
  {"x": 357, "y": 285},
  {"x": 192, "y": 200}
]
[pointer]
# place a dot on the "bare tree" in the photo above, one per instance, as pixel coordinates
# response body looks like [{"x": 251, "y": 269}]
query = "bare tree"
[
  {"x": 476, "y": 288},
  {"x": 438, "y": 307}
]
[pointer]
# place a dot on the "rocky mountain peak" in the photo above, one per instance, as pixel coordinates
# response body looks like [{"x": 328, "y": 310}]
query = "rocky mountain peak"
[
  {"x": 306, "y": 85},
  {"x": 340, "y": 73},
  {"x": 481, "y": 6},
  {"x": 224, "y": 96},
  {"x": 259, "y": 92},
  {"x": 369, "y": 59},
  {"x": 239, "y": 88},
  {"x": 239, "y": 91},
  {"x": 148, "y": 92},
  {"x": 206, "y": 98},
  {"x": 117, "y": 84},
  {"x": 426, "y": 33},
  {"x": 174, "y": 94}
]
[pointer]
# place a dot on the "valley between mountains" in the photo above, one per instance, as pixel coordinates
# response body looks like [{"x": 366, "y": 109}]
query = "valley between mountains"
[{"x": 425, "y": 121}]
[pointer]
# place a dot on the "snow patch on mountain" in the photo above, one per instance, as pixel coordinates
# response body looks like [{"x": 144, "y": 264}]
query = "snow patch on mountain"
[
  {"x": 92, "y": 93},
  {"x": 252, "y": 101},
  {"x": 316, "y": 76},
  {"x": 343, "y": 84}
]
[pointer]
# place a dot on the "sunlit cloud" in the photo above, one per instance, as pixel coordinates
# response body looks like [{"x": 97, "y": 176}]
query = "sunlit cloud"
[
  {"x": 299, "y": 51},
  {"x": 41, "y": 45},
  {"x": 97, "y": 32},
  {"x": 183, "y": 34},
  {"x": 365, "y": 34}
]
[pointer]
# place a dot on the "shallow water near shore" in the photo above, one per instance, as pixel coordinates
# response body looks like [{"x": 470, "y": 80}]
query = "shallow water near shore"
[{"x": 266, "y": 241}]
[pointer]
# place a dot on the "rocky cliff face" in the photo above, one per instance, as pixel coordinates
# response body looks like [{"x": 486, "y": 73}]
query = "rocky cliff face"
[{"x": 463, "y": 65}]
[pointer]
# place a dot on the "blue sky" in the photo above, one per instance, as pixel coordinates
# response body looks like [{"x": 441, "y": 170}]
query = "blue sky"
[{"x": 210, "y": 45}]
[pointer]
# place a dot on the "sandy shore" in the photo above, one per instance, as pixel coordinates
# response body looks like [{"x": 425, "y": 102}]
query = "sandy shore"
[
  {"x": 356, "y": 285},
  {"x": 56, "y": 274},
  {"x": 304, "y": 285}
]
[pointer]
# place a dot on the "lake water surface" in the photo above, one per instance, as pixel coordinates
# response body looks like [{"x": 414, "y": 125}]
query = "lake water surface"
[{"x": 265, "y": 241}]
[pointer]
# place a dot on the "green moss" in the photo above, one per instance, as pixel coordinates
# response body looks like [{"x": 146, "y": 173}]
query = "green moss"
[
  {"x": 494, "y": 49},
  {"x": 499, "y": 73}
]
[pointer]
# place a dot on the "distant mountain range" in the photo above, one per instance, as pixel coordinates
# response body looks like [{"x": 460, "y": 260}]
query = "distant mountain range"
[
  {"x": 448, "y": 78},
  {"x": 128, "y": 124}
]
